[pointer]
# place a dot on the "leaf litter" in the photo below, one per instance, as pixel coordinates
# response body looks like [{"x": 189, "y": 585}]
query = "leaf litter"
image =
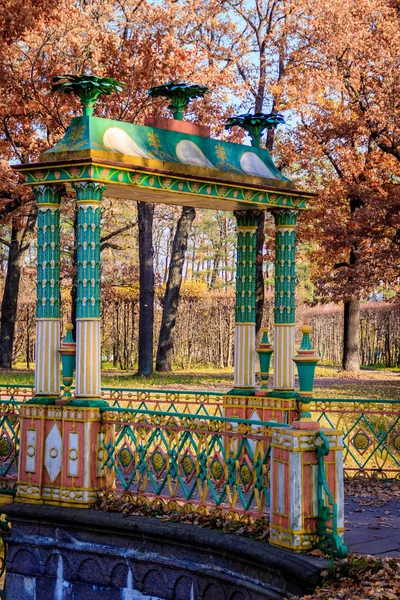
[{"x": 360, "y": 578}]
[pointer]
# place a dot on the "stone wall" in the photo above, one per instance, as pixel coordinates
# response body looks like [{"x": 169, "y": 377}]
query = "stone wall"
[{"x": 60, "y": 553}]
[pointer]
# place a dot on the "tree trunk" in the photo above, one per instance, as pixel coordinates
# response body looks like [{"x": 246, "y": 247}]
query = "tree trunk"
[
  {"x": 259, "y": 272},
  {"x": 28, "y": 338},
  {"x": 351, "y": 321},
  {"x": 146, "y": 275},
  {"x": 9, "y": 305},
  {"x": 351, "y": 335},
  {"x": 172, "y": 292}
]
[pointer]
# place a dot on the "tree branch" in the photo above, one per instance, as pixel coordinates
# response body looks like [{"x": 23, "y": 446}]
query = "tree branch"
[{"x": 109, "y": 236}]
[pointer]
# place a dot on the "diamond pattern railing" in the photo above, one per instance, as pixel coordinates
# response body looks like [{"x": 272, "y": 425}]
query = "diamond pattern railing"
[
  {"x": 183, "y": 401},
  {"x": 371, "y": 433},
  {"x": 9, "y": 445},
  {"x": 371, "y": 428},
  {"x": 189, "y": 461}
]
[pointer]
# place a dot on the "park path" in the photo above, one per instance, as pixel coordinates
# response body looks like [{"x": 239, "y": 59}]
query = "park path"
[{"x": 372, "y": 517}]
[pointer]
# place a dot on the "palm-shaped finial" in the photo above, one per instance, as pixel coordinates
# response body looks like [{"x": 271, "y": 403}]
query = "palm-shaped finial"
[
  {"x": 255, "y": 124},
  {"x": 87, "y": 87},
  {"x": 179, "y": 95}
]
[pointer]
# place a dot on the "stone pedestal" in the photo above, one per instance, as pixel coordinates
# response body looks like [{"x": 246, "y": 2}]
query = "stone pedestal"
[
  {"x": 294, "y": 486},
  {"x": 60, "y": 457}
]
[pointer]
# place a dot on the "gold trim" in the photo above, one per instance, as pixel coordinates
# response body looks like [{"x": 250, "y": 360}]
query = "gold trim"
[
  {"x": 190, "y": 173},
  {"x": 6, "y": 499},
  {"x": 81, "y": 202},
  {"x": 244, "y": 229},
  {"x": 29, "y": 499},
  {"x": 88, "y": 319},
  {"x": 48, "y": 319},
  {"x": 115, "y": 159}
]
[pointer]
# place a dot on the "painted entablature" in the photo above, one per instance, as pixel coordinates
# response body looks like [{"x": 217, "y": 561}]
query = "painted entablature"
[{"x": 135, "y": 161}]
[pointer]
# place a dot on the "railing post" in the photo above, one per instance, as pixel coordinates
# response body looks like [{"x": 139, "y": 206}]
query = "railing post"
[{"x": 298, "y": 508}]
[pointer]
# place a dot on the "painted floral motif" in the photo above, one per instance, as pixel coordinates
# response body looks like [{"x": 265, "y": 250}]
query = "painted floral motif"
[
  {"x": 223, "y": 163},
  {"x": 154, "y": 142},
  {"x": 73, "y": 140}
]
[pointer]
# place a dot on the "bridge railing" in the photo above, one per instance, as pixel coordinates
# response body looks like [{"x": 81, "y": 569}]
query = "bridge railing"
[
  {"x": 185, "y": 401},
  {"x": 371, "y": 428},
  {"x": 371, "y": 433},
  {"x": 188, "y": 462},
  {"x": 9, "y": 446}
]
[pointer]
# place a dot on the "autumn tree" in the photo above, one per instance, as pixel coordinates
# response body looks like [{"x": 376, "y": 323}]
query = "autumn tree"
[
  {"x": 346, "y": 145},
  {"x": 140, "y": 43},
  {"x": 171, "y": 298},
  {"x": 269, "y": 39}
]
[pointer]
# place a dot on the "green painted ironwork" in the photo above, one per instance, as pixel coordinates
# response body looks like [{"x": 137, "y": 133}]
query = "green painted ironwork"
[
  {"x": 173, "y": 401},
  {"x": 88, "y": 195},
  {"x": 9, "y": 446},
  {"x": 180, "y": 459},
  {"x": 371, "y": 428},
  {"x": 285, "y": 273},
  {"x": 306, "y": 362},
  {"x": 329, "y": 540},
  {"x": 264, "y": 351},
  {"x": 246, "y": 254},
  {"x": 88, "y": 88},
  {"x": 255, "y": 124},
  {"x": 371, "y": 433},
  {"x": 68, "y": 353},
  {"x": 179, "y": 95},
  {"x": 48, "y": 299}
]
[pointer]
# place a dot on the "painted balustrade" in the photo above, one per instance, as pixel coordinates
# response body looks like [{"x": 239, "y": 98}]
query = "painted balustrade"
[
  {"x": 195, "y": 462},
  {"x": 9, "y": 448},
  {"x": 182, "y": 460},
  {"x": 371, "y": 433},
  {"x": 371, "y": 427}
]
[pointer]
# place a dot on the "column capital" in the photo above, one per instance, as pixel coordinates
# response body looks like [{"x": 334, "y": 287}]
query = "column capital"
[
  {"x": 247, "y": 218},
  {"x": 285, "y": 217},
  {"x": 48, "y": 194},
  {"x": 88, "y": 191}
]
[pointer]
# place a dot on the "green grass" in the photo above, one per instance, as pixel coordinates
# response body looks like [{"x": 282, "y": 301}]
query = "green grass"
[
  {"x": 374, "y": 390},
  {"x": 367, "y": 384}
]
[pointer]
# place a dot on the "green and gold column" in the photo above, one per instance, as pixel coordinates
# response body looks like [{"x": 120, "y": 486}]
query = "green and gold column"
[
  {"x": 88, "y": 339},
  {"x": 284, "y": 312},
  {"x": 47, "y": 364},
  {"x": 245, "y": 309}
]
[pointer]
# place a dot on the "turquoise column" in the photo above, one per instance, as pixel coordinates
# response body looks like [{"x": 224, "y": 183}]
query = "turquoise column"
[
  {"x": 88, "y": 308},
  {"x": 48, "y": 300},
  {"x": 284, "y": 309},
  {"x": 245, "y": 308}
]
